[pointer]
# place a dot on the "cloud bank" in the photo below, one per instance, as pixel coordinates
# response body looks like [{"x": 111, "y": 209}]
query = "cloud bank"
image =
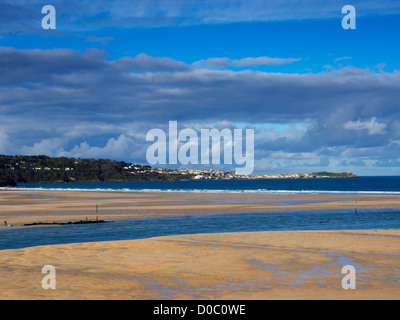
[{"x": 71, "y": 103}]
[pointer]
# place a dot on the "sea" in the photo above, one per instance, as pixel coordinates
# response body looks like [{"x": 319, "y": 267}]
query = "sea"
[
  {"x": 362, "y": 185},
  {"x": 326, "y": 219}
]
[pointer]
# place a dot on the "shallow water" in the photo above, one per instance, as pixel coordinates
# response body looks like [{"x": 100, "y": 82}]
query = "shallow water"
[{"x": 343, "y": 219}]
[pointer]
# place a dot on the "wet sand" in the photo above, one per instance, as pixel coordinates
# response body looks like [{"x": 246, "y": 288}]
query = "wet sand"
[
  {"x": 256, "y": 265},
  {"x": 249, "y": 265}
]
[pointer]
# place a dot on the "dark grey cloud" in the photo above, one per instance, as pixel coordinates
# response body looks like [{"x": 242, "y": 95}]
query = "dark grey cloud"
[{"x": 36, "y": 65}]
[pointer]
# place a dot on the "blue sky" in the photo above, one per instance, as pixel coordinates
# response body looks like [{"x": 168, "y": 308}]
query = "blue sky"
[{"x": 319, "y": 97}]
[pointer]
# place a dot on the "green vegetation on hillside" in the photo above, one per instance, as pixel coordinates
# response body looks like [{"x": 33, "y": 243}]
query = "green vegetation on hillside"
[
  {"x": 36, "y": 169},
  {"x": 6, "y": 181}
]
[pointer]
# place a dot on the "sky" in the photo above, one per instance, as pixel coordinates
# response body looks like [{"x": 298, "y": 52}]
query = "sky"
[{"x": 318, "y": 97}]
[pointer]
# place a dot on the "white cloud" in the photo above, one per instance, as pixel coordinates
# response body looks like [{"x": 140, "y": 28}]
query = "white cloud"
[
  {"x": 49, "y": 147},
  {"x": 123, "y": 147},
  {"x": 372, "y": 126},
  {"x": 120, "y": 148},
  {"x": 342, "y": 58}
]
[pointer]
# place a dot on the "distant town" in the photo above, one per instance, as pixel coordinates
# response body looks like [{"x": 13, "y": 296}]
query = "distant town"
[
  {"x": 15, "y": 170},
  {"x": 207, "y": 174}
]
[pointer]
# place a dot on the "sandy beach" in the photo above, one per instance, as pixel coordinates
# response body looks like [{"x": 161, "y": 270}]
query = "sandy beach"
[{"x": 245, "y": 265}]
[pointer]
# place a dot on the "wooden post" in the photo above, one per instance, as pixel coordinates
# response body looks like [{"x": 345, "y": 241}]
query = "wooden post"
[{"x": 97, "y": 212}]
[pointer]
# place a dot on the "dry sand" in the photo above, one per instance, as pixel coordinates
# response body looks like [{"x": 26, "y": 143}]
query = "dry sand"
[{"x": 254, "y": 265}]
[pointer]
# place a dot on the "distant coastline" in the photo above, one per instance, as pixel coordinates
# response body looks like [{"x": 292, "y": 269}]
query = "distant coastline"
[{"x": 18, "y": 169}]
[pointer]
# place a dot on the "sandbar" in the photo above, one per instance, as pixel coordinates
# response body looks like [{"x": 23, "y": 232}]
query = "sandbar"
[{"x": 19, "y": 207}]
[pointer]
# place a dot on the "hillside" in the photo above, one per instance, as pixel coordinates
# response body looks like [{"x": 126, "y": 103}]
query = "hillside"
[{"x": 37, "y": 169}]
